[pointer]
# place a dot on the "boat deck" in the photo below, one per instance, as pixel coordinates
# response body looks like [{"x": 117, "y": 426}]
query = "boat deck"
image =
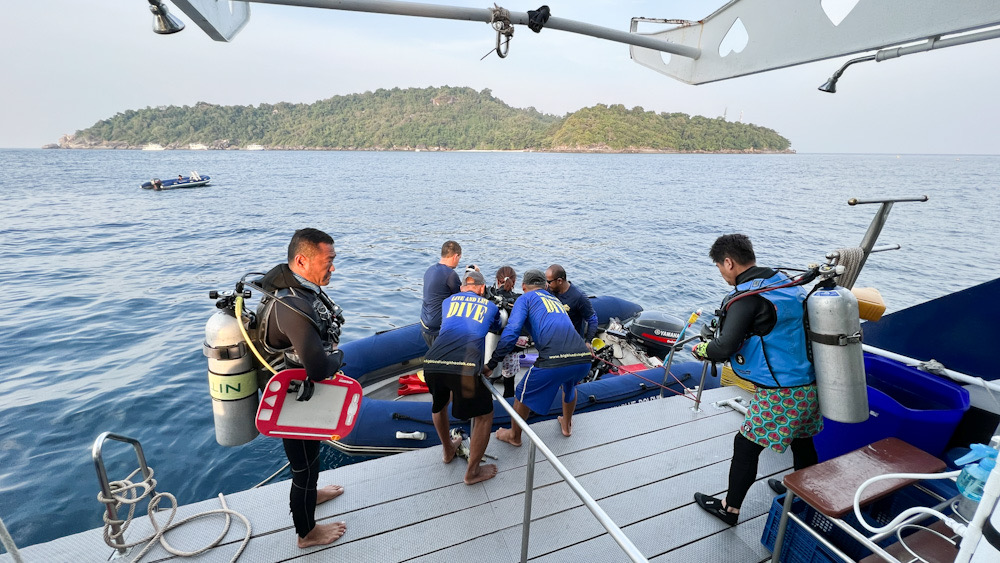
[{"x": 641, "y": 462}]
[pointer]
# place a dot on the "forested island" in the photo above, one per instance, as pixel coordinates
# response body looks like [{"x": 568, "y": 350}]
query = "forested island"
[{"x": 444, "y": 118}]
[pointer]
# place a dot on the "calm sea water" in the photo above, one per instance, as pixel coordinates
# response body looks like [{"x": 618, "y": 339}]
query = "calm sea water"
[{"x": 105, "y": 286}]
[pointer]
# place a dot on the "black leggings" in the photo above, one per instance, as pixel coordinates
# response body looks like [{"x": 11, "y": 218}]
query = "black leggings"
[
  {"x": 743, "y": 468},
  {"x": 303, "y": 455}
]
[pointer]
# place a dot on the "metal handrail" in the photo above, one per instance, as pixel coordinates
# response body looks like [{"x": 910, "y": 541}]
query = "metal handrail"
[
  {"x": 102, "y": 476},
  {"x": 602, "y": 517}
]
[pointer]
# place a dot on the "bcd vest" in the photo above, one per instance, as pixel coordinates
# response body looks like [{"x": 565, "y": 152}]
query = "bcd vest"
[
  {"x": 779, "y": 358},
  {"x": 325, "y": 316}
]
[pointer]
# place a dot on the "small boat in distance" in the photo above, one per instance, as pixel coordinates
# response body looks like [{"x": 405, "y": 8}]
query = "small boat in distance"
[
  {"x": 254, "y": 148},
  {"x": 193, "y": 181},
  {"x": 152, "y": 147}
]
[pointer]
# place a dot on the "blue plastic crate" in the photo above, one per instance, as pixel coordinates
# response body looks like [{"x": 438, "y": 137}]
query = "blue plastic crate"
[
  {"x": 915, "y": 406},
  {"x": 801, "y": 547}
]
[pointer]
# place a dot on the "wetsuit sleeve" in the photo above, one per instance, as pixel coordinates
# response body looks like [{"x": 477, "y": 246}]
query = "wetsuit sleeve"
[
  {"x": 511, "y": 332},
  {"x": 746, "y": 317},
  {"x": 308, "y": 346}
]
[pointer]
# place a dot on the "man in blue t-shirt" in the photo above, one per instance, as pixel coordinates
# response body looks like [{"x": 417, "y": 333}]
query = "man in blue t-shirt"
[
  {"x": 563, "y": 359},
  {"x": 440, "y": 282},
  {"x": 578, "y": 306},
  {"x": 451, "y": 370}
]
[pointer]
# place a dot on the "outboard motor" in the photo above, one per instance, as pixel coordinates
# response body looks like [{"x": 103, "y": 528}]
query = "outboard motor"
[
  {"x": 654, "y": 331},
  {"x": 232, "y": 374},
  {"x": 834, "y": 334}
]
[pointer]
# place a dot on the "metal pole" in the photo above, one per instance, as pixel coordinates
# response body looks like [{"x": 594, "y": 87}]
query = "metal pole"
[
  {"x": 485, "y": 15},
  {"x": 782, "y": 525},
  {"x": 670, "y": 359},
  {"x": 613, "y": 530},
  {"x": 701, "y": 387},
  {"x": 9, "y": 545},
  {"x": 875, "y": 228},
  {"x": 529, "y": 487}
]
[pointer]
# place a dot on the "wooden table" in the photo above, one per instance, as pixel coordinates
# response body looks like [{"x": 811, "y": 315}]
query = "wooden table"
[{"x": 829, "y": 487}]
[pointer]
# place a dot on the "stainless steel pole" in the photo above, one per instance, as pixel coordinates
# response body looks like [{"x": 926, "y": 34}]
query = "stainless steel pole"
[
  {"x": 529, "y": 487},
  {"x": 485, "y": 15}
]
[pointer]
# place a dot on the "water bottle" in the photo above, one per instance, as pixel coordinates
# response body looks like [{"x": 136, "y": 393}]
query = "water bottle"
[{"x": 973, "y": 477}]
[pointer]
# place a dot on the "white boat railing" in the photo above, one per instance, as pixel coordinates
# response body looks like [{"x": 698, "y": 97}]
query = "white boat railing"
[
  {"x": 934, "y": 367},
  {"x": 535, "y": 442}
]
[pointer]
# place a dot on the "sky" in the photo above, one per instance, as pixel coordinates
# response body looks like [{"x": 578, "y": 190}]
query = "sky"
[{"x": 66, "y": 64}]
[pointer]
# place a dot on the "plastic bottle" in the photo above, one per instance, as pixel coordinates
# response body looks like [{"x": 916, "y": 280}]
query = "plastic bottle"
[{"x": 973, "y": 477}]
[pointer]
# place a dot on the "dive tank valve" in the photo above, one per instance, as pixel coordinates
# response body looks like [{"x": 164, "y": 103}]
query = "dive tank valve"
[
  {"x": 834, "y": 334},
  {"x": 232, "y": 376}
]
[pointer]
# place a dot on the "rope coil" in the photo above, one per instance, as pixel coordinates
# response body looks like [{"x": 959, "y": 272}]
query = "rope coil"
[
  {"x": 124, "y": 492},
  {"x": 850, "y": 259}
]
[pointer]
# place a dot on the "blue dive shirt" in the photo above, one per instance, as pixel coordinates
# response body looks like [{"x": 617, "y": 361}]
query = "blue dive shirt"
[
  {"x": 553, "y": 333},
  {"x": 460, "y": 346}
]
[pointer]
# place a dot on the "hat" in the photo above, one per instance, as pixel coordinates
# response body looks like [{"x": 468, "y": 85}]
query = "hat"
[
  {"x": 533, "y": 277},
  {"x": 476, "y": 277}
]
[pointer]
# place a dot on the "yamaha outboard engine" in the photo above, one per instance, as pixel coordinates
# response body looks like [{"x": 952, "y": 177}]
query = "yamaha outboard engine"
[
  {"x": 834, "y": 334},
  {"x": 232, "y": 374},
  {"x": 654, "y": 331}
]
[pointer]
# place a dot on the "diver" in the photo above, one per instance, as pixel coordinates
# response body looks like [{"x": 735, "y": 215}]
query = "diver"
[
  {"x": 303, "y": 325},
  {"x": 502, "y": 293},
  {"x": 761, "y": 334}
]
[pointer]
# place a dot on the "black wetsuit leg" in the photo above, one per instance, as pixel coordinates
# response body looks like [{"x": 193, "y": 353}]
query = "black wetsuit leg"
[
  {"x": 303, "y": 455},
  {"x": 742, "y": 470},
  {"x": 803, "y": 453}
]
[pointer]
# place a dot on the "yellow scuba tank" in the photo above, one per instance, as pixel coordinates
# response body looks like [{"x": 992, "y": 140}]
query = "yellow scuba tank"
[
  {"x": 834, "y": 335},
  {"x": 232, "y": 374}
]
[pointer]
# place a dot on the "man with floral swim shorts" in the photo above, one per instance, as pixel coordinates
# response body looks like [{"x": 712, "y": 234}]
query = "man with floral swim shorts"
[{"x": 761, "y": 334}]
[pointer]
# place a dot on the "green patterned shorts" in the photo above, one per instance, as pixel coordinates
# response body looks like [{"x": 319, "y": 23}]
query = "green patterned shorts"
[{"x": 778, "y": 416}]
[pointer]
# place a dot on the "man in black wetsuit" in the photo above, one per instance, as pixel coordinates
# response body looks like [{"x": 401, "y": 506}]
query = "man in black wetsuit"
[{"x": 303, "y": 325}]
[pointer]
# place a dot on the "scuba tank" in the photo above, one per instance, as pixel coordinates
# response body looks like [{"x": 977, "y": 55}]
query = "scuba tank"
[
  {"x": 232, "y": 374},
  {"x": 833, "y": 331}
]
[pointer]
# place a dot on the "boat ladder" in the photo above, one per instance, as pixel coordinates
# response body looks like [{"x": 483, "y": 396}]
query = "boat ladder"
[{"x": 102, "y": 477}]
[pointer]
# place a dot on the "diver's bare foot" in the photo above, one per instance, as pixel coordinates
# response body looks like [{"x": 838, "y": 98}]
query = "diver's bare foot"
[
  {"x": 567, "y": 428},
  {"x": 451, "y": 448},
  {"x": 328, "y": 492},
  {"x": 507, "y": 435},
  {"x": 482, "y": 473},
  {"x": 323, "y": 534}
]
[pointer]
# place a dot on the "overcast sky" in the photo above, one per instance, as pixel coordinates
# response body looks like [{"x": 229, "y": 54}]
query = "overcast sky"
[{"x": 65, "y": 64}]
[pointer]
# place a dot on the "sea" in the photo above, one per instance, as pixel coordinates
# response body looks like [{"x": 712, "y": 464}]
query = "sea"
[{"x": 105, "y": 286}]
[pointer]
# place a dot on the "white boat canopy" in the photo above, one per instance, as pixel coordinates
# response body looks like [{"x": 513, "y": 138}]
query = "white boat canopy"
[{"x": 742, "y": 37}]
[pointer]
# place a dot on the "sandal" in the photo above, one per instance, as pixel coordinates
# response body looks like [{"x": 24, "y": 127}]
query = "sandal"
[
  {"x": 714, "y": 507},
  {"x": 777, "y": 486}
]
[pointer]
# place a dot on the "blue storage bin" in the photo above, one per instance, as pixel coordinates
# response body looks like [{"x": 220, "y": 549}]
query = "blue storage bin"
[
  {"x": 800, "y": 546},
  {"x": 904, "y": 402}
]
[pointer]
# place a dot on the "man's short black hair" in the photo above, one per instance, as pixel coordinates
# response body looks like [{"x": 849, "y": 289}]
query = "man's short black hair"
[
  {"x": 306, "y": 241},
  {"x": 450, "y": 248},
  {"x": 736, "y": 247},
  {"x": 558, "y": 272}
]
